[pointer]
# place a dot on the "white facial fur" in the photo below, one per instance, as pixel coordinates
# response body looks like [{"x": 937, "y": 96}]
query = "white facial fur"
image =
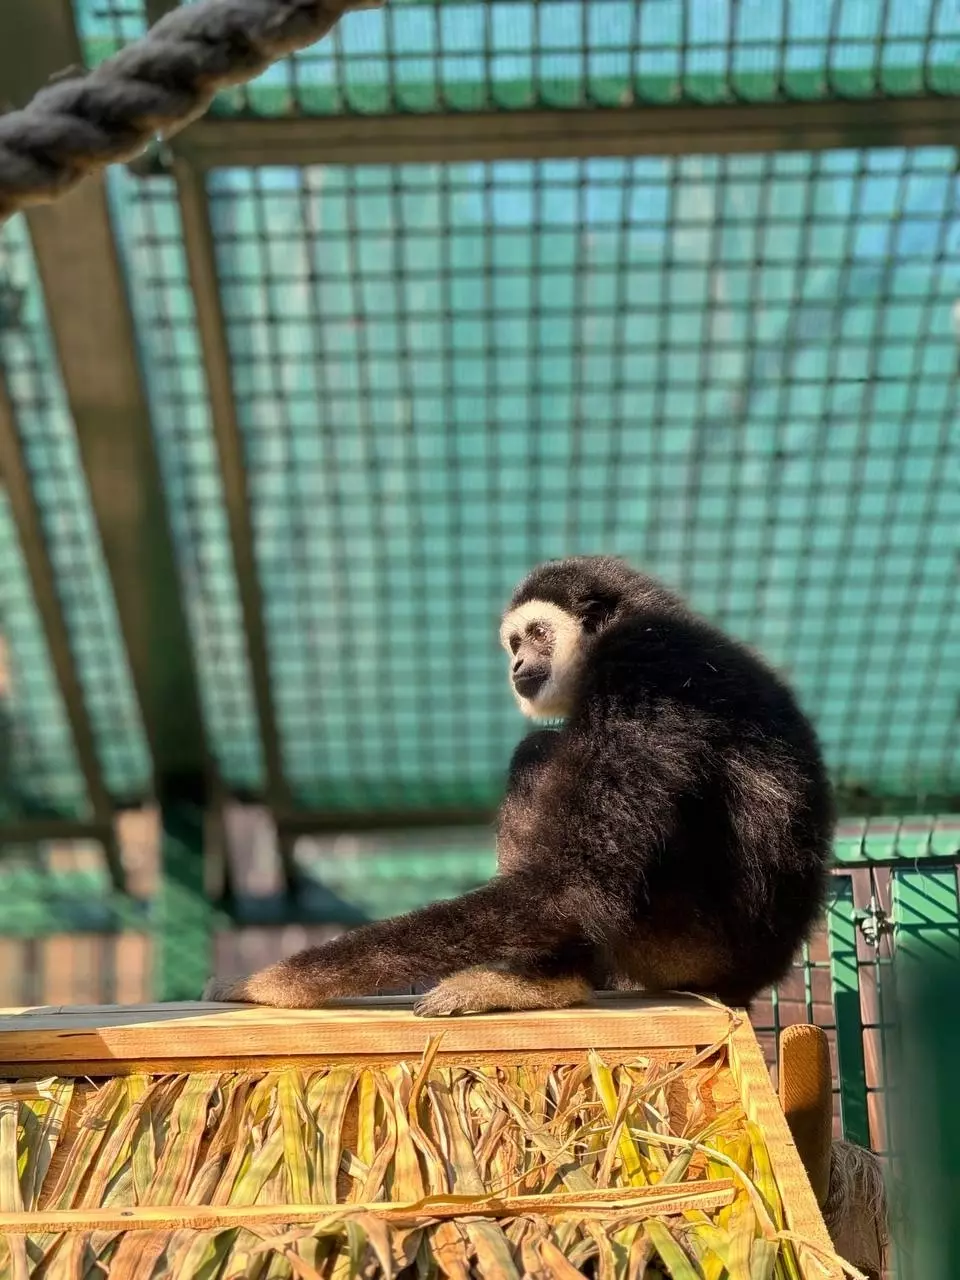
[{"x": 554, "y": 699}]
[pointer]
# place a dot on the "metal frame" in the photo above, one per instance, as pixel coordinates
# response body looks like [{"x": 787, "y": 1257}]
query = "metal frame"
[{"x": 543, "y": 135}]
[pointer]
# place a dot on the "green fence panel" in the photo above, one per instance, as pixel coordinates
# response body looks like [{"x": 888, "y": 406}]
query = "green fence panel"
[
  {"x": 845, "y": 980},
  {"x": 926, "y": 916}
]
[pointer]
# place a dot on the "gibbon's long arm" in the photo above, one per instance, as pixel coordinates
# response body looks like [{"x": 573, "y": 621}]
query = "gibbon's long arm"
[{"x": 516, "y": 922}]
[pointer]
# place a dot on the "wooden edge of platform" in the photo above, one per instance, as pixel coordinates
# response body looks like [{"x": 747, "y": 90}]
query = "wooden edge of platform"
[
  {"x": 815, "y": 1249},
  {"x": 199, "y": 1032}
]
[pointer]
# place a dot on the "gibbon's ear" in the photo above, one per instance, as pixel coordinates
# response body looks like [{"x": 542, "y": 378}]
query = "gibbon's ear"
[{"x": 597, "y": 612}]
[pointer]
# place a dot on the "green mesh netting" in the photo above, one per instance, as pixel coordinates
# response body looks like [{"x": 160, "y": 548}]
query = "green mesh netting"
[
  {"x": 465, "y": 55},
  {"x": 32, "y": 375}
]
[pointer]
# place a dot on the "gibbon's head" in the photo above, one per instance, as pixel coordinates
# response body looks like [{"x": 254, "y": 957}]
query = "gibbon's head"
[{"x": 552, "y": 620}]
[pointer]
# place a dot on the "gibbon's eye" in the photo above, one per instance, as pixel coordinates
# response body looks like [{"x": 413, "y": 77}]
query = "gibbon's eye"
[
  {"x": 514, "y": 643},
  {"x": 538, "y": 633}
]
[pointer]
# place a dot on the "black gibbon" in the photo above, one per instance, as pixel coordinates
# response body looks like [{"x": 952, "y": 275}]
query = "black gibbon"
[{"x": 674, "y": 833}]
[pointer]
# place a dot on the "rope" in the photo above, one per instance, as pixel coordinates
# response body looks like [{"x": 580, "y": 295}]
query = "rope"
[{"x": 76, "y": 126}]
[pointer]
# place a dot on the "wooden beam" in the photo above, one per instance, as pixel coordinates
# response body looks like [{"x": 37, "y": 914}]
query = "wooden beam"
[
  {"x": 41, "y": 830},
  {"x": 814, "y": 1246},
  {"x": 331, "y": 821},
  {"x": 201, "y": 262},
  {"x": 85, "y": 290},
  {"x": 198, "y": 1031},
  {"x": 33, "y": 544},
  {"x": 805, "y": 1085},
  {"x": 724, "y": 129}
]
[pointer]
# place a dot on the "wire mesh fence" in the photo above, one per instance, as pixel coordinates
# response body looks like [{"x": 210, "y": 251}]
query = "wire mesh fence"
[
  {"x": 738, "y": 371},
  {"x": 464, "y": 55}
]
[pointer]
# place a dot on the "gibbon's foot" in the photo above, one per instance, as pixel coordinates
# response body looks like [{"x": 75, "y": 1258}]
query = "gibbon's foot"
[
  {"x": 487, "y": 990},
  {"x": 282, "y": 986},
  {"x": 224, "y": 991}
]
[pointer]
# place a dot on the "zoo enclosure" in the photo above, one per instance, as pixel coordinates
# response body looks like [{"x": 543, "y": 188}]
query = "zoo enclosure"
[{"x": 287, "y": 406}]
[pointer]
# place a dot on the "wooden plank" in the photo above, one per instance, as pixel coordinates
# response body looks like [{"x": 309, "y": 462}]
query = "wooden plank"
[
  {"x": 182, "y": 1031},
  {"x": 759, "y": 1101},
  {"x": 670, "y": 130},
  {"x": 638, "y": 1201},
  {"x": 198, "y": 241},
  {"x": 85, "y": 290}
]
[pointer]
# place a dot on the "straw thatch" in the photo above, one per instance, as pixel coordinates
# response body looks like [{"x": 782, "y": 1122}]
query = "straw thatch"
[{"x": 646, "y": 1167}]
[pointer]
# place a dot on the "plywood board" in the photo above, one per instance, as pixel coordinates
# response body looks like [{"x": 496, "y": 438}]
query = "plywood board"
[{"x": 197, "y": 1031}]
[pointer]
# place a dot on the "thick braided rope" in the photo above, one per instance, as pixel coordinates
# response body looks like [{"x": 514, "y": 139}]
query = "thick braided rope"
[{"x": 76, "y": 126}]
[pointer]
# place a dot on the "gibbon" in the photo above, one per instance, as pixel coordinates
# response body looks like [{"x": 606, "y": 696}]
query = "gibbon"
[{"x": 672, "y": 834}]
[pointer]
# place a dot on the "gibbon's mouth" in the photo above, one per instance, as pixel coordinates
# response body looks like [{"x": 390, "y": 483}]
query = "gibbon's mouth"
[{"x": 528, "y": 686}]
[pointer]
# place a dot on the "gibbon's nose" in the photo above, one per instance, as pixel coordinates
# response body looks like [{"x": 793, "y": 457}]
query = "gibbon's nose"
[{"x": 529, "y": 678}]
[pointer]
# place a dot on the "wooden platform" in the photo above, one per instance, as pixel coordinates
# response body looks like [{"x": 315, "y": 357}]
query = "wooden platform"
[
  {"x": 111, "y": 1040},
  {"x": 156, "y": 1040}
]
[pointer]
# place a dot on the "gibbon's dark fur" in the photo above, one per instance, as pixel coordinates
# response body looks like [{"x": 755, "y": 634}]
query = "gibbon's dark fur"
[{"x": 674, "y": 834}]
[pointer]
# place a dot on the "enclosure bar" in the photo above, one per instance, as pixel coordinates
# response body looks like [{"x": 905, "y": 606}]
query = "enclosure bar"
[
  {"x": 43, "y": 583},
  {"x": 201, "y": 263},
  {"x": 39, "y": 830},
  {"x": 321, "y": 821},
  {"x": 845, "y": 980},
  {"x": 913, "y": 840},
  {"x": 715, "y": 129},
  {"x": 330, "y": 821}
]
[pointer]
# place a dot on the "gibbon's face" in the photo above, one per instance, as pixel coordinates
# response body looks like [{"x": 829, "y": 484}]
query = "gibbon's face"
[{"x": 546, "y": 648}]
